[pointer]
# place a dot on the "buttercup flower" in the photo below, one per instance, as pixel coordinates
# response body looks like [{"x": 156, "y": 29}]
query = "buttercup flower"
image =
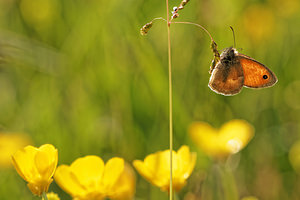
[
  {"x": 9, "y": 144},
  {"x": 229, "y": 139},
  {"x": 52, "y": 196},
  {"x": 36, "y": 166},
  {"x": 156, "y": 168},
  {"x": 88, "y": 178}
]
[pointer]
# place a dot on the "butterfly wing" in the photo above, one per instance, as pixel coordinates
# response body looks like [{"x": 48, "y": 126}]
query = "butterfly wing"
[
  {"x": 256, "y": 75},
  {"x": 227, "y": 79}
]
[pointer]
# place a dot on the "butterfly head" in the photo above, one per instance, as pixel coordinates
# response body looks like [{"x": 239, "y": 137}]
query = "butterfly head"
[{"x": 228, "y": 55}]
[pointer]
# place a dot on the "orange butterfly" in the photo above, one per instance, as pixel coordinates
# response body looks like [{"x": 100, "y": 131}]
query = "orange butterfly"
[{"x": 233, "y": 70}]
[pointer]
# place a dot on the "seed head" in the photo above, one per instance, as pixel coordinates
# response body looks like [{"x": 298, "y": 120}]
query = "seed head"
[{"x": 144, "y": 30}]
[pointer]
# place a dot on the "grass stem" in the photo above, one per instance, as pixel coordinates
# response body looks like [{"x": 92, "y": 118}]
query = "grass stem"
[{"x": 170, "y": 103}]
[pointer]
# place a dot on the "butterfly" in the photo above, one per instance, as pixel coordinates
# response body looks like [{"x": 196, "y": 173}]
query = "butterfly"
[{"x": 232, "y": 70}]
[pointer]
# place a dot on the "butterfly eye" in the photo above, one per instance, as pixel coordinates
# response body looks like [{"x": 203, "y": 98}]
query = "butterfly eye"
[{"x": 265, "y": 76}]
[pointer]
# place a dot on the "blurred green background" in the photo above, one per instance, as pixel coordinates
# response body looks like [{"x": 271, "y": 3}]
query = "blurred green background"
[{"x": 77, "y": 74}]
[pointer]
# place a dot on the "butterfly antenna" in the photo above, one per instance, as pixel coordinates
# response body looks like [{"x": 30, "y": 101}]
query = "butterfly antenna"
[{"x": 233, "y": 36}]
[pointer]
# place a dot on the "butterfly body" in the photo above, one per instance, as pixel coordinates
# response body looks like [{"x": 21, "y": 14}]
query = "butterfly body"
[{"x": 235, "y": 70}]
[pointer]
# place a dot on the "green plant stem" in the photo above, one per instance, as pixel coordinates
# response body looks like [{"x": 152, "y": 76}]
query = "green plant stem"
[
  {"x": 170, "y": 103},
  {"x": 44, "y": 196},
  {"x": 228, "y": 183},
  {"x": 191, "y": 23}
]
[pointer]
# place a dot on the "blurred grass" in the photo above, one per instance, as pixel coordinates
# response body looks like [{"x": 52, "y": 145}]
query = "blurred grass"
[{"x": 77, "y": 74}]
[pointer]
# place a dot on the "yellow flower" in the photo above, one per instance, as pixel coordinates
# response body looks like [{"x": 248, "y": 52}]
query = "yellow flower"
[
  {"x": 231, "y": 138},
  {"x": 36, "y": 166},
  {"x": 88, "y": 178},
  {"x": 9, "y": 144},
  {"x": 52, "y": 196},
  {"x": 156, "y": 168},
  {"x": 294, "y": 156}
]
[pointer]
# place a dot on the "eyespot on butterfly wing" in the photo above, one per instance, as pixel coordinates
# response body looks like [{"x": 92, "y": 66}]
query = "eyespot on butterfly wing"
[{"x": 256, "y": 75}]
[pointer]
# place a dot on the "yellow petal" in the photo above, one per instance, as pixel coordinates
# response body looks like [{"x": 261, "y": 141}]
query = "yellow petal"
[
  {"x": 182, "y": 161},
  {"x": 183, "y": 166},
  {"x": 88, "y": 170},
  {"x": 205, "y": 137},
  {"x": 124, "y": 188},
  {"x": 65, "y": 179},
  {"x": 159, "y": 165},
  {"x": 46, "y": 161},
  {"x": 112, "y": 171},
  {"x": 186, "y": 161},
  {"x": 150, "y": 173},
  {"x": 160, "y": 160},
  {"x": 23, "y": 162},
  {"x": 235, "y": 135},
  {"x": 142, "y": 169}
]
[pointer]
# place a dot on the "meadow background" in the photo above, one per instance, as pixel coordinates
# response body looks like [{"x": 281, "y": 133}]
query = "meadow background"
[{"x": 77, "y": 74}]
